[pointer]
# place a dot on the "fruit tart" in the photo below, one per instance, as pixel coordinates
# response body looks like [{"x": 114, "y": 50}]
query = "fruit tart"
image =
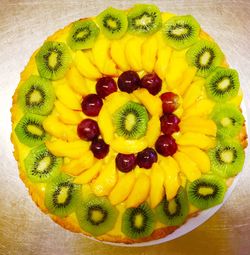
[{"x": 127, "y": 124}]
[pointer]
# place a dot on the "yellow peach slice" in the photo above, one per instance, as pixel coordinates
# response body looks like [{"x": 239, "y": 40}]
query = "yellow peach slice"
[
  {"x": 196, "y": 139},
  {"x": 76, "y": 166},
  {"x": 85, "y": 66},
  {"x": 88, "y": 175},
  {"x": 139, "y": 192},
  {"x": 67, "y": 115},
  {"x": 122, "y": 188},
  {"x": 188, "y": 77},
  {"x": 187, "y": 166},
  {"x": 153, "y": 130},
  {"x": 61, "y": 148},
  {"x": 198, "y": 156},
  {"x": 162, "y": 62},
  {"x": 156, "y": 187},
  {"x": 106, "y": 180},
  {"x": 199, "y": 125},
  {"x": 149, "y": 51}
]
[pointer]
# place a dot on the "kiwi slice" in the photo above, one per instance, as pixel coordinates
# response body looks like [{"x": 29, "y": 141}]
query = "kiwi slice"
[
  {"x": 113, "y": 23},
  {"x": 41, "y": 165},
  {"x": 30, "y": 131},
  {"x": 205, "y": 56},
  {"x": 96, "y": 215},
  {"x": 138, "y": 222},
  {"x": 227, "y": 158},
  {"x": 206, "y": 191},
  {"x": 229, "y": 120},
  {"x": 144, "y": 19},
  {"x": 175, "y": 211},
  {"x": 62, "y": 195},
  {"x": 82, "y": 34},
  {"x": 36, "y": 95},
  {"x": 131, "y": 120},
  {"x": 181, "y": 31},
  {"x": 53, "y": 60},
  {"x": 222, "y": 84}
]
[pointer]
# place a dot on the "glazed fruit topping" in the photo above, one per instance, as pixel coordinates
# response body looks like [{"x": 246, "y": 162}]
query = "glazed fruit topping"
[
  {"x": 99, "y": 148},
  {"x": 166, "y": 145},
  {"x": 170, "y": 102},
  {"x": 169, "y": 124},
  {"x": 105, "y": 86},
  {"x": 125, "y": 162},
  {"x": 91, "y": 105},
  {"x": 129, "y": 81},
  {"x": 88, "y": 129},
  {"x": 146, "y": 158},
  {"x": 152, "y": 83}
]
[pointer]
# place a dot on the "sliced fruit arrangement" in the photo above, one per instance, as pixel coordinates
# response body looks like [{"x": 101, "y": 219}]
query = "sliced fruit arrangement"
[{"x": 125, "y": 121}]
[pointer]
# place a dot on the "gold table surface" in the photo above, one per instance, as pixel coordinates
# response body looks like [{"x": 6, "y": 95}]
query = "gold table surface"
[{"x": 24, "y": 25}]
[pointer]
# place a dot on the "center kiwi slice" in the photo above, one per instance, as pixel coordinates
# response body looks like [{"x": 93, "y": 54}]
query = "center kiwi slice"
[
  {"x": 206, "y": 191},
  {"x": 138, "y": 222},
  {"x": 228, "y": 118},
  {"x": 113, "y": 23},
  {"x": 36, "y": 95},
  {"x": 222, "y": 84},
  {"x": 144, "y": 19},
  {"x": 82, "y": 34},
  {"x": 181, "y": 31},
  {"x": 205, "y": 56},
  {"x": 131, "y": 120},
  {"x": 30, "y": 131},
  {"x": 227, "y": 158},
  {"x": 53, "y": 60},
  {"x": 175, "y": 211},
  {"x": 96, "y": 215},
  {"x": 62, "y": 195},
  {"x": 41, "y": 165}
]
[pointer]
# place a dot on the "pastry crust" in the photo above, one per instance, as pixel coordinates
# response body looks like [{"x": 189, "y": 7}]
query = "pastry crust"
[{"x": 70, "y": 222}]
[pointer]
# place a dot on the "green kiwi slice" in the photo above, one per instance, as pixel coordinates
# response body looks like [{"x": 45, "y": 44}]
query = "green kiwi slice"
[
  {"x": 206, "y": 191},
  {"x": 113, "y": 23},
  {"x": 180, "y": 32},
  {"x": 138, "y": 222},
  {"x": 36, "y": 95},
  {"x": 82, "y": 34},
  {"x": 227, "y": 158},
  {"x": 30, "y": 131},
  {"x": 41, "y": 165},
  {"x": 222, "y": 84},
  {"x": 131, "y": 120},
  {"x": 62, "y": 195},
  {"x": 96, "y": 215},
  {"x": 175, "y": 211},
  {"x": 205, "y": 56},
  {"x": 144, "y": 19},
  {"x": 53, "y": 60},
  {"x": 229, "y": 120}
]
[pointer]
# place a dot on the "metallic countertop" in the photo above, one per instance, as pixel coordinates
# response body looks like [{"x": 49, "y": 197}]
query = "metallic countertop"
[{"x": 24, "y": 25}]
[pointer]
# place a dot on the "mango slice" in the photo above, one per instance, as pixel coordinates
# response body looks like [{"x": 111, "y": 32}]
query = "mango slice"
[{"x": 149, "y": 51}]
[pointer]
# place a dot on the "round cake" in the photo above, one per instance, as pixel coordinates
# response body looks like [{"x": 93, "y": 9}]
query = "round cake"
[{"x": 127, "y": 124}]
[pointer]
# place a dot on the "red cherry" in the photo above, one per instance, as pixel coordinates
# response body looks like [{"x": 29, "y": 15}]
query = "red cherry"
[
  {"x": 125, "y": 162},
  {"x": 166, "y": 145},
  {"x": 99, "y": 148},
  {"x": 146, "y": 158},
  {"x": 129, "y": 81},
  {"x": 91, "y": 105},
  {"x": 152, "y": 83},
  {"x": 88, "y": 129},
  {"x": 169, "y": 124},
  {"x": 170, "y": 102},
  {"x": 105, "y": 86}
]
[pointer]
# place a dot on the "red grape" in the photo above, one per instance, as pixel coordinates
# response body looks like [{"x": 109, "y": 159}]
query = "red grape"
[
  {"x": 91, "y": 105},
  {"x": 99, "y": 148},
  {"x": 129, "y": 81},
  {"x": 152, "y": 83},
  {"x": 105, "y": 86},
  {"x": 166, "y": 145},
  {"x": 170, "y": 102},
  {"x": 88, "y": 129},
  {"x": 125, "y": 162},
  {"x": 169, "y": 124},
  {"x": 146, "y": 158}
]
